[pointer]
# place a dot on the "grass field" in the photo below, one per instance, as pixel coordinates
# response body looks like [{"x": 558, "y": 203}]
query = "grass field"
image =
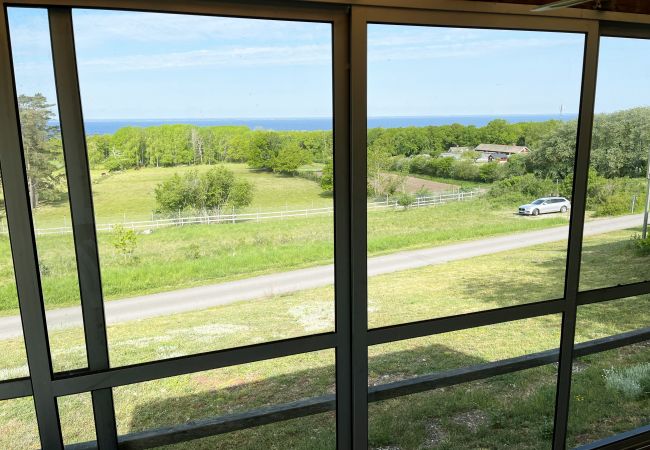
[
  {"x": 174, "y": 258},
  {"x": 513, "y": 411},
  {"x": 130, "y": 194}
]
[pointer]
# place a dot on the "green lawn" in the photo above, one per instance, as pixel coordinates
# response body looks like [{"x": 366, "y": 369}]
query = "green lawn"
[
  {"x": 512, "y": 411},
  {"x": 130, "y": 194}
]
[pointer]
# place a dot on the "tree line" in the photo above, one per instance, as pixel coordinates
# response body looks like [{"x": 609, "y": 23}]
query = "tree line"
[
  {"x": 620, "y": 148},
  {"x": 175, "y": 145}
]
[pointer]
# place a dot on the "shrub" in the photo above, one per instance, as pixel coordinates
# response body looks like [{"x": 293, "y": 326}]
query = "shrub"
[
  {"x": 521, "y": 188},
  {"x": 490, "y": 172},
  {"x": 214, "y": 190},
  {"x": 124, "y": 241},
  {"x": 327, "y": 179},
  {"x": 465, "y": 170},
  {"x": 641, "y": 246},
  {"x": 631, "y": 382},
  {"x": 405, "y": 200},
  {"x": 422, "y": 192}
]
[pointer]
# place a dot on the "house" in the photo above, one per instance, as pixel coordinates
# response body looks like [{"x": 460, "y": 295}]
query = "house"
[
  {"x": 503, "y": 149},
  {"x": 455, "y": 152}
]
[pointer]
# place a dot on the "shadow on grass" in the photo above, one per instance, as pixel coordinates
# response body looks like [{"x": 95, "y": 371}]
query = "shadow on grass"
[
  {"x": 229, "y": 393},
  {"x": 604, "y": 264}
]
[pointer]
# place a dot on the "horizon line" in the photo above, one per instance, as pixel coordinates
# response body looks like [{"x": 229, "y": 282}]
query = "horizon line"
[{"x": 151, "y": 119}]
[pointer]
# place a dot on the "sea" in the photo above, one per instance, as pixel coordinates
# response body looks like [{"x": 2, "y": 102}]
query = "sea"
[{"x": 109, "y": 126}]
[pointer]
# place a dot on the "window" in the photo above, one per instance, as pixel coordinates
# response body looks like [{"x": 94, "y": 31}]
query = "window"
[
  {"x": 317, "y": 226},
  {"x": 444, "y": 236}
]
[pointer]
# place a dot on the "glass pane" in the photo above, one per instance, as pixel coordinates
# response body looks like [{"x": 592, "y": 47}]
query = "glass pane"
[
  {"x": 484, "y": 414},
  {"x": 509, "y": 411},
  {"x": 616, "y": 195},
  {"x": 213, "y": 210},
  {"x": 77, "y": 419},
  {"x": 609, "y": 390},
  {"x": 231, "y": 390},
  {"x": 18, "y": 424},
  {"x": 13, "y": 362},
  {"x": 469, "y": 168},
  {"x": 614, "y": 317},
  {"x": 47, "y": 183},
  {"x": 609, "y": 394}
]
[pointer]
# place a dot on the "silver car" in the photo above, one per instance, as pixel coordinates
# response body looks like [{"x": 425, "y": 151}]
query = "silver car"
[{"x": 545, "y": 205}]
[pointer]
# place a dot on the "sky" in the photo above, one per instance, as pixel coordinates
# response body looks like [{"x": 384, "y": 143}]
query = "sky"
[{"x": 135, "y": 65}]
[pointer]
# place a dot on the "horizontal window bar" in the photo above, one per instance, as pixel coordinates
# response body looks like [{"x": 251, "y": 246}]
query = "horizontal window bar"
[
  {"x": 218, "y": 425},
  {"x": 622, "y": 29},
  {"x": 463, "y": 321},
  {"x": 76, "y": 384},
  {"x": 613, "y": 293},
  {"x": 283, "y": 10},
  {"x": 20, "y": 387},
  {"x": 611, "y": 342},
  {"x": 628, "y": 440}
]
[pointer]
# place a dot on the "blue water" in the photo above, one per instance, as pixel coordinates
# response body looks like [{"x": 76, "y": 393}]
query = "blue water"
[{"x": 318, "y": 123}]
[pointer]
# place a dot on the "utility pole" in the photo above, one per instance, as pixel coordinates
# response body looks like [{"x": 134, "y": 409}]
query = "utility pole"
[{"x": 644, "y": 234}]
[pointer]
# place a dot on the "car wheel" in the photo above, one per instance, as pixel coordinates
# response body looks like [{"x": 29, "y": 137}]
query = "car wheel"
[
  {"x": 535, "y": 212},
  {"x": 563, "y": 209}
]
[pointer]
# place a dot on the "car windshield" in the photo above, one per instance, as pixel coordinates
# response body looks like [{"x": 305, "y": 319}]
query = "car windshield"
[{"x": 538, "y": 202}]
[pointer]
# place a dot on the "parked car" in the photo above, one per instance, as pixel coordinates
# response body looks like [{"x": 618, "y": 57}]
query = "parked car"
[{"x": 545, "y": 205}]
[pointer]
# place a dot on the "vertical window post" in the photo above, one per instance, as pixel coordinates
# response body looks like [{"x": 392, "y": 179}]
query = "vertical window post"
[
  {"x": 82, "y": 212},
  {"x": 23, "y": 247},
  {"x": 579, "y": 200}
]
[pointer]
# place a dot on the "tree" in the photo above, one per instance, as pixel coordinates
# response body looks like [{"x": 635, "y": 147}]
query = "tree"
[
  {"x": 215, "y": 189},
  {"x": 220, "y": 188},
  {"x": 379, "y": 163},
  {"x": 178, "y": 193},
  {"x": 290, "y": 157},
  {"x": 327, "y": 179},
  {"x": 264, "y": 147},
  {"x": 43, "y": 150}
]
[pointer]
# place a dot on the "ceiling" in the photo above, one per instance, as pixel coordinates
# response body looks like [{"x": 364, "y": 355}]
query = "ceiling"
[{"x": 630, "y": 6}]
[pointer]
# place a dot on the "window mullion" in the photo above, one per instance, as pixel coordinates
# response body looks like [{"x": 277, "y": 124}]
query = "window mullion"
[
  {"x": 579, "y": 199},
  {"x": 23, "y": 247},
  {"x": 82, "y": 212}
]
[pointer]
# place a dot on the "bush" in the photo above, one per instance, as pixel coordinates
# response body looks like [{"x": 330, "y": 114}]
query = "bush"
[
  {"x": 490, "y": 172},
  {"x": 405, "y": 200},
  {"x": 631, "y": 382},
  {"x": 522, "y": 188},
  {"x": 641, "y": 246},
  {"x": 124, "y": 241},
  {"x": 214, "y": 190},
  {"x": 327, "y": 179},
  {"x": 422, "y": 192},
  {"x": 465, "y": 170}
]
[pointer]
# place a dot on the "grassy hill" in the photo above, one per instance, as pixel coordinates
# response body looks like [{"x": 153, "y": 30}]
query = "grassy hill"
[{"x": 130, "y": 194}]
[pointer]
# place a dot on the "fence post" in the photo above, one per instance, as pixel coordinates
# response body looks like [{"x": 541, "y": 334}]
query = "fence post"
[{"x": 233, "y": 214}]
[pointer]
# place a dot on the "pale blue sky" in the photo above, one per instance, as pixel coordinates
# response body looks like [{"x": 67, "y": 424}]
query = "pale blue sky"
[{"x": 143, "y": 65}]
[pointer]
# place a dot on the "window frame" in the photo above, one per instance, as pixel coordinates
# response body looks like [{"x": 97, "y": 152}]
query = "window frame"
[{"x": 351, "y": 337}]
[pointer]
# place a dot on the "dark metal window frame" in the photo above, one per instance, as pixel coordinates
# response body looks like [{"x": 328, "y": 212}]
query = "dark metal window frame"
[{"x": 352, "y": 336}]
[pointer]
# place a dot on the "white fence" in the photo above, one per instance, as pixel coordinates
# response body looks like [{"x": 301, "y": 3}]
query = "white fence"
[{"x": 209, "y": 219}]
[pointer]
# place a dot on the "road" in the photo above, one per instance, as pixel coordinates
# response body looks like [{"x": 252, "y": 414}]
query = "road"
[{"x": 203, "y": 297}]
